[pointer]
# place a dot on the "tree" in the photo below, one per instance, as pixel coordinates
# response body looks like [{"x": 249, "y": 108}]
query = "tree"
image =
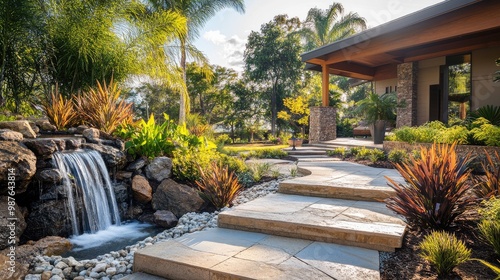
[
  {"x": 327, "y": 26},
  {"x": 197, "y": 13},
  {"x": 272, "y": 61}
]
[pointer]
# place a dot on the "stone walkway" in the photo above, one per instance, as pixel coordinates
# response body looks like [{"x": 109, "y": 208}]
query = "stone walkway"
[{"x": 327, "y": 225}]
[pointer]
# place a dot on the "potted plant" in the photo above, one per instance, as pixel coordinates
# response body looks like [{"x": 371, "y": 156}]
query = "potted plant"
[{"x": 377, "y": 110}]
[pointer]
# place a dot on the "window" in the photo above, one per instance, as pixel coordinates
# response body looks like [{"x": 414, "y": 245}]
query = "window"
[{"x": 458, "y": 86}]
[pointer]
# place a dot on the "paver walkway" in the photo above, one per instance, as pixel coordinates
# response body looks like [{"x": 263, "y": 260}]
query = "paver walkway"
[{"x": 284, "y": 235}]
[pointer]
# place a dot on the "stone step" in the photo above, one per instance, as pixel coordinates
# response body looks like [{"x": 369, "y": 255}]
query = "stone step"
[
  {"x": 348, "y": 222},
  {"x": 341, "y": 179},
  {"x": 141, "y": 276},
  {"x": 331, "y": 146},
  {"x": 306, "y": 152},
  {"x": 230, "y": 254}
]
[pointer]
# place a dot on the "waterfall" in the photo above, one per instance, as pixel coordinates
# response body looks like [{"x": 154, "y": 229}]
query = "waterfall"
[{"x": 94, "y": 193}]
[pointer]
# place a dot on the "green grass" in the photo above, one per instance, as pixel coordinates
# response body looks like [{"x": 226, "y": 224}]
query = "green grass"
[{"x": 242, "y": 148}]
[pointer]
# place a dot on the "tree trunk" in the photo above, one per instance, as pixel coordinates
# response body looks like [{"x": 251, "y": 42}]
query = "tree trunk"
[
  {"x": 274, "y": 109},
  {"x": 184, "y": 96}
]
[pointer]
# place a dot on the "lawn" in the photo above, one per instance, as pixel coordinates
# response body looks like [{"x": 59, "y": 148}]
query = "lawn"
[{"x": 242, "y": 148}]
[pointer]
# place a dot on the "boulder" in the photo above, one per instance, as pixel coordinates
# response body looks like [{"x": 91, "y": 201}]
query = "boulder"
[
  {"x": 159, "y": 169},
  {"x": 92, "y": 135},
  {"x": 33, "y": 126},
  {"x": 137, "y": 164},
  {"x": 45, "y": 147},
  {"x": 165, "y": 219},
  {"x": 12, "y": 269},
  {"x": 50, "y": 246},
  {"x": 141, "y": 190},
  {"x": 16, "y": 157},
  {"x": 121, "y": 193},
  {"x": 111, "y": 156},
  {"x": 74, "y": 143},
  {"x": 45, "y": 125},
  {"x": 23, "y": 127},
  {"x": 48, "y": 218},
  {"x": 51, "y": 175},
  {"x": 11, "y": 229},
  {"x": 9, "y": 135},
  {"x": 177, "y": 198}
]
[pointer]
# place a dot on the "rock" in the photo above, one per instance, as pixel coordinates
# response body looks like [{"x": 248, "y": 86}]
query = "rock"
[
  {"x": 52, "y": 176},
  {"x": 137, "y": 164},
  {"x": 56, "y": 277},
  {"x": 11, "y": 230},
  {"x": 11, "y": 269},
  {"x": 177, "y": 198},
  {"x": 121, "y": 193},
  {"x": 48, "y": 218},
  {"x": 16, "y": 157},
  {"x": 45, "y": 125},
  {"x": 23, "y": 127},
  {"x": 74, "y": 143},
  {"x": 123, "y": 175},
  {"x": 92, "y": 135},
  {"x": 33, "y": 126},
  {"x": 134, "y": 212},
  {"x": 45, "y": 147},
  {"x": 9, "y": 135},
  {"x": 111, "y": 271},
  {"x": 111, "y": 156},
  {"x": 100, "y": 267},
  {"x": 165, "y": 219},
  {"x": 159, "y": 169},
  {"x": 46, "y": 275},
  {"x": 61, "y": 265},
  {"x": 31, "y": 277},
  {"x": 141, "y": 190},
  {"x": 81, "y": 128}
]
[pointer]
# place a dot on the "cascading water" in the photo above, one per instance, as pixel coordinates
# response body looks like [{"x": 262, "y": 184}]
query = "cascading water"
[{"x": 94, "y": 193}]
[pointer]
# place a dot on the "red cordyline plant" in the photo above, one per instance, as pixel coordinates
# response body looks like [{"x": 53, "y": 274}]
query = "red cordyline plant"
[
  {"x": 218, "y": 185},
  {"x": 436, "y": 190},
  {"x": 488, "y": 185}
]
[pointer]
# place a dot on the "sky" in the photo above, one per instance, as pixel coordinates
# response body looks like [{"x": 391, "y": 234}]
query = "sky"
[{"x": 223, "y": 38}]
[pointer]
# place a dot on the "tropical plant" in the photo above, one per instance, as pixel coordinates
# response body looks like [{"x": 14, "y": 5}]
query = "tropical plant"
[
  {"x": 196, "y": 125},
  {"x": 489, "y": 112},
  {"x": 363, "y": 153},
  {"x": 489, "y": 225},
  {"x": 488, "y": 185},
  {"x": 444, "y": 251},
  {"x": 102, "y": 108},
  {"x": 327, "y": 26},
  {"x": 377, "y": 107},
  {"x": 436, "y": 188},
  {"x": 59, "y": 110},
  {"x": 218, "y": 185}
]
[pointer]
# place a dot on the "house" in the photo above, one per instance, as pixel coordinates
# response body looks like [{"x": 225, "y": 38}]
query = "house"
[{"x": 439, "y": 60}]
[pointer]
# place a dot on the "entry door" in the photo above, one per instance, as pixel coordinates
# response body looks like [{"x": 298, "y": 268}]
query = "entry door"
[{"x": 435, "y": 100}]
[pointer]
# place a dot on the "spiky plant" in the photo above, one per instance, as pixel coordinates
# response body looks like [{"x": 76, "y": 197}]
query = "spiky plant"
[
  {"x": 102, "y": 108},
  {"x": 496, "y": 269},
  {"x": 444, "y": 251},
  {"x": 489, "y": 225},
  {"x": 489, "y": 112},
  {"x": 435, "y": 192},
  {"x": 59, "y": 110},
  {"x": 489, "y": 184},
  {"x": 218, "y": 186}
]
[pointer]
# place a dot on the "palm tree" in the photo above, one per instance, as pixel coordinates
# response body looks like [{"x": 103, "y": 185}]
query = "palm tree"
[
  {"x": 197, "y": 13},
  {"x": 327, "y": 26}
]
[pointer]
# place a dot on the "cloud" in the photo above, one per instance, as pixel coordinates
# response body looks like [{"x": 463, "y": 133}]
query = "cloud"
[{"x": 231, "y": 49}]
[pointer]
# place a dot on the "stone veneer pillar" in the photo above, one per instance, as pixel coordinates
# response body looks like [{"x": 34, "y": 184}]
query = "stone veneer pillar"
[
  {"x": 407, "y": 94},
  {"x": 322, "y": 124}
]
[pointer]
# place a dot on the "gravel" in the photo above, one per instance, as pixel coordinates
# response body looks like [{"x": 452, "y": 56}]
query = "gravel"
[{"x": 118, "y": 264}]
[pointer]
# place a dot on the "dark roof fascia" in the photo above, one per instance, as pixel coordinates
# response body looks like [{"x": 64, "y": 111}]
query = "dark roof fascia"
[{"x": 391, "y": 26}]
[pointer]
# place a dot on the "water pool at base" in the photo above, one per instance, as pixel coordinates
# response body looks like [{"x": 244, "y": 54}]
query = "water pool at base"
[{"x": 114, "y": 238}]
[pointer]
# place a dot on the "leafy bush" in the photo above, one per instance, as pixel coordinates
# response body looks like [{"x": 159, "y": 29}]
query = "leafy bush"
[
  {"x": 102, "y": 108},
  {"x": 376, "y": 155},
  {"x": 444, "y": 251},
  {"x": 267, "y": 153},
  {"x": 285, "y": 136},
  {"x": 458, "y": 134},
  {"x": 488, "y": 112},
  {"x": 186, "y": 163},
  {"x": 489, "y": 226},
  {"x": 404, "y": 134},
  {"x": 355, "y": 151},
  {"x": 246, "y": 179},
  {"x": 489, "y": 184},
  {"x": 340, "y": 151},
  {"x": 485, "y": 132},
  {"x": 60, "y": 111},
  {"x": 223, "y": 139},
  {"x": 196, "y": 125},
  {"x": 218, "y": 185},
  {"x": 435, "y": 192},
  {"x": 234, "y": 164},
  {"x": 397, "y": 156},
  {"x": 363, "y": 153}
]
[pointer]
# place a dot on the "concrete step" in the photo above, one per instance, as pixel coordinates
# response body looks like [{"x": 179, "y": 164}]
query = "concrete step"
[
  {"x": 230, "y": 254},
  {"x": 306, "y": 152},
  {"x": 363, "y": 224},
  {"x": 342, "y": 179},
  {"x": 141, "y": 276}
]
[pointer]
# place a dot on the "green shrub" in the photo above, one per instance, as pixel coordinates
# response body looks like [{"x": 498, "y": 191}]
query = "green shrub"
[
  {"x": 223, "y": 139},
  {"x": 363, "y": 153},
  {"x": 186, "y": 164},
  {"x": 436, "y": 188},
  {"x": 488, "y": 112},
  {"x": 397, "y": 156},
  {"x": 284, "y": 137},
  {"x": 376, "y": 155},
  {"x": 458, "y": 134},
  {"x": 267, "y": 153},
  {"x": 426, "y": 134},
  {"x": 489, "y": 225},
  {"x": 246, "y": 178},
  {"x": 444, "y": 251},
  {"x": 218, "y": 185},
  {"x": 340, "y": 152},
  {"x": 485, "y": 132},
  {"x": 354, "y": 151},
  {"x": 259, "y": 170},
  {"x": 405, "y": 134},
  {"x": 234, "y": 164}
]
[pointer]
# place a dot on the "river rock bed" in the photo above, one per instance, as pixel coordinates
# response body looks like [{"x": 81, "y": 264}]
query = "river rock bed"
[{"x": 118, "y": 264}]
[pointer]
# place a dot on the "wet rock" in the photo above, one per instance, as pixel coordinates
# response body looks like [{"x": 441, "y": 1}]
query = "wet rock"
[
  {"x": 45, "y": 125},
  {"x": 165, "y": 219},
  {"x": 123, "y": 175},
  {"x": 137, "y": 164},
  {"x": 9, "y": 135},
  {"x": 92, "y": 135},
  {"x": 74, "y": 143},
  {"x": 121, "y": 193},
  {"x": 45, "y": 147},
  {"x": 23, "y": 127},
  {"x": 159, "y": 169},
  {"x": 16, "y": 157},
  {"x": 81, "y": 128},
  {"x": 111, "y": 156},
  {"x": 48, "y": 218},
  {"x": 52, "y": 176},
  {"x": 141, "y": 190},
  {"x": 177, "y": 198},
  {"x": 11, "y": 230}
]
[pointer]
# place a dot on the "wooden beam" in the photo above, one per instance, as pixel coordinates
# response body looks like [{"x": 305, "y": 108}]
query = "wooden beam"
[
  {"x": 325, "y": 86},
  {"x": 352, "y": 67}
]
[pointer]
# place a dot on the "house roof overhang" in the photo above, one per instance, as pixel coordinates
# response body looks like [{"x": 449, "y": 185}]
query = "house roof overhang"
[{"x": 447, "y": 28}]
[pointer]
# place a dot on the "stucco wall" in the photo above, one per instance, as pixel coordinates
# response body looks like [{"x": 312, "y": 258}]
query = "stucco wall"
[
  {"x": 381, "y": 85},
  {"x": 485, "y": 91},
  {"x": 428, "y": 75}
]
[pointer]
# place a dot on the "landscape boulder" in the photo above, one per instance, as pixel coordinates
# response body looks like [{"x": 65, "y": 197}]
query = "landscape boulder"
[
  {"x": 177, "y": 198},
  {"x": 141, "y": 189},
  {"x": 48, "y": 218},
  {"x": 49, "y": 175},
  {"x": 16, "y": 157},
  {"x": 45, "y": 147},
  {"x": 165, "y": 219},
  {"x": 159, "y": 169},
  {"x": 45, "y": 125},
  {"x": 23, "y": 127},
  {"x": 137, "y": 164},
  {"x": 11, "y": 229},
  {"x": 111, "y": 156},
  {"x": 10, "y": 135}
]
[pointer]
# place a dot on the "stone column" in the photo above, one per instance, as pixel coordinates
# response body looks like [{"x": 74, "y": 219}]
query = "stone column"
[
  {"x": 322, "y": 124},
  {"x": 407, "y": 94}
]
